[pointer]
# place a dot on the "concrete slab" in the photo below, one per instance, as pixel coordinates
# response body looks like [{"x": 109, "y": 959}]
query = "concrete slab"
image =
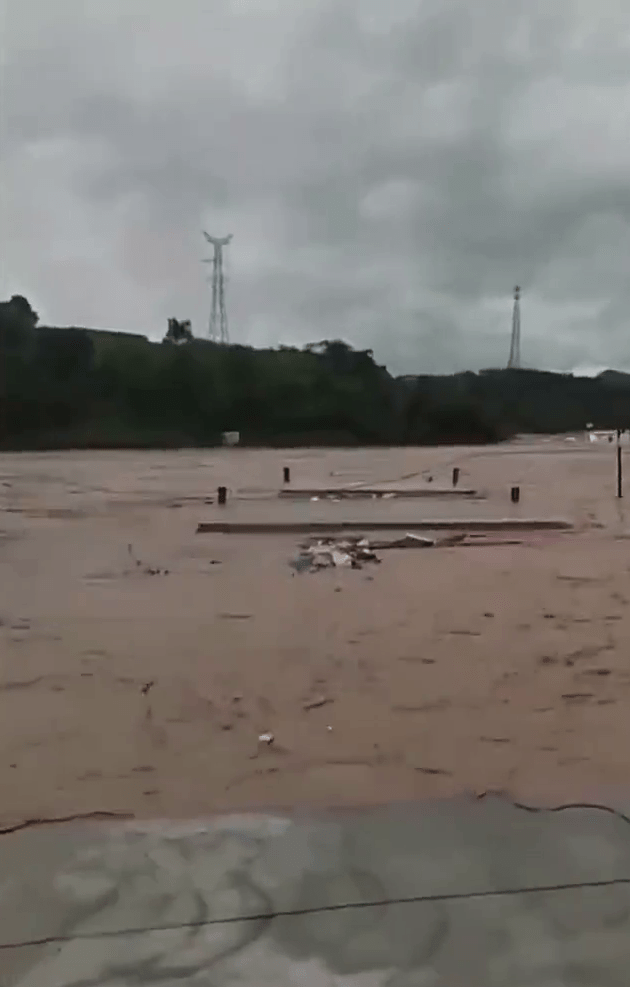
[
  {"x": 474, "y": 892},
  {"x": 443, "y": 524},
  {"x": 358, "y": 493},
  {"x": 375, "y": 512}
]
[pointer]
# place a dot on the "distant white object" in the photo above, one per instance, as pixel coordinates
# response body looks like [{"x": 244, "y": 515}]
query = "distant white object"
[
  {"x": 609, "y": 436},
  {"x": 231, "y": 438}
]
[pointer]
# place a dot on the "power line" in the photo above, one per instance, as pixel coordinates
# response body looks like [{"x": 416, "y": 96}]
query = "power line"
[
  {"x": 319, "y": 910},
  {"x": 347, "y": 906}
]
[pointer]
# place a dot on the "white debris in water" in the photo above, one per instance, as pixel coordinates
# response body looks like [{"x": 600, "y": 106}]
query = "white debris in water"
[
  {"x": 329, "y": 553},
  {"x": 341, "y": 559},
  {"x": 352, "y": 552}
]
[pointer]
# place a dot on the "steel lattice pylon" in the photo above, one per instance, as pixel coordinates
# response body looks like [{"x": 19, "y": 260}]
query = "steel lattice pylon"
[
  {"x": 515, "y": 345},
  {"x": 218, "y": 326}
]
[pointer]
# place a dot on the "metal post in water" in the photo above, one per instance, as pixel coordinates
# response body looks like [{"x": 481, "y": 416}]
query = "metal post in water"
[
  {"x": 515, "y": 494},
  {"x": 222, "y": 495},
  {"x": 619, "y": 473},
  {"x": 455, "y": 475},
  {"x": 286, "y": 472}
]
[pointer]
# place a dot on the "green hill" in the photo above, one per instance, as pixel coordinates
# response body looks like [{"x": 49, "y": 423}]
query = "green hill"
[{"x": 78, "y": 387}]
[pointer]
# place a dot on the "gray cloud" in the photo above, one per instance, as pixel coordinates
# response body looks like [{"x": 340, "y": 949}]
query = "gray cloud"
[{"x": 388, "y": 177}]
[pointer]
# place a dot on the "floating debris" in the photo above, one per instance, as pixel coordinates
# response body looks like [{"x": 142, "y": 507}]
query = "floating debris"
[
  {"x": 341, "y": 558},
  {"x": 317, "y": 702},
  {"x": 328, "y": 553},
  {"x": 411, "y": 540},
  {"x": 266, "y": 738},
  {"x": 146, "y": 569},
  {"x": 353, "y": 551},
  {"x": 303, "y": 563},
  {"x": 407, "y": 541}
]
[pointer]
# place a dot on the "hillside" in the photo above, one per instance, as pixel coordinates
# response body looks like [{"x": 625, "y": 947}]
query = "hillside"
[
  {"x": 530, "y": 400},
  {"x": 76, "y": 387}
]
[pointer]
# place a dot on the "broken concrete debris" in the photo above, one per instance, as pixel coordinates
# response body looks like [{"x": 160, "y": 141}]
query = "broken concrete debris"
[
  {"x": 328, "y": 553},
  {"x": 407, "y": 541},
  {"x": 410, "y": 540},
  {"x": 353, "y": 551}
]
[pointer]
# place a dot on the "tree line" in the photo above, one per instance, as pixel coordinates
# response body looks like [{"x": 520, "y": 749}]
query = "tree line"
[{"x": 75, "y": 387}]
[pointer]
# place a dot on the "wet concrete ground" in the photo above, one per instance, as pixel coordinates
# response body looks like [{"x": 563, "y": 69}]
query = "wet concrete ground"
[{"x": 466, "y": 893}]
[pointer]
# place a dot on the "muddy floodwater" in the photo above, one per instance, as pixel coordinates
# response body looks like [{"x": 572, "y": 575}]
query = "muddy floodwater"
[{"x": 141, "y": 662}]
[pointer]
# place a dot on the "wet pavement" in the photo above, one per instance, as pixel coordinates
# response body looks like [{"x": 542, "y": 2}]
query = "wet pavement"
[{"x": 465, "y": 893}]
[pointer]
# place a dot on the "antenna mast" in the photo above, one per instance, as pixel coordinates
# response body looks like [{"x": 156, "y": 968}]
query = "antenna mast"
[
  {"x": 218, "y": 327},
  {"x": 514, "y": 362}
]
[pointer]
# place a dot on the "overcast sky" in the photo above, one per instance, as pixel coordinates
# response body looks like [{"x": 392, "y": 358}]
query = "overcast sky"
[{"x": 388, "y": 176}]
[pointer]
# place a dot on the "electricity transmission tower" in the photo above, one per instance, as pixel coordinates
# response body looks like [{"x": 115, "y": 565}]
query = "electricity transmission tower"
[
  {"x": 515, "y": 345},
  {"x": 218, "y": 327}
]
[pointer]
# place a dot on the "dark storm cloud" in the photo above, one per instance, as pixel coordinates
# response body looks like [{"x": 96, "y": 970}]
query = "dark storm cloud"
[{"x": 388, "y": 176}]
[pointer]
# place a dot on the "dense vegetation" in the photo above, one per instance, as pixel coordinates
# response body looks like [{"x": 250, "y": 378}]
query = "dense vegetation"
[{"x": 82, "y": 388}]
